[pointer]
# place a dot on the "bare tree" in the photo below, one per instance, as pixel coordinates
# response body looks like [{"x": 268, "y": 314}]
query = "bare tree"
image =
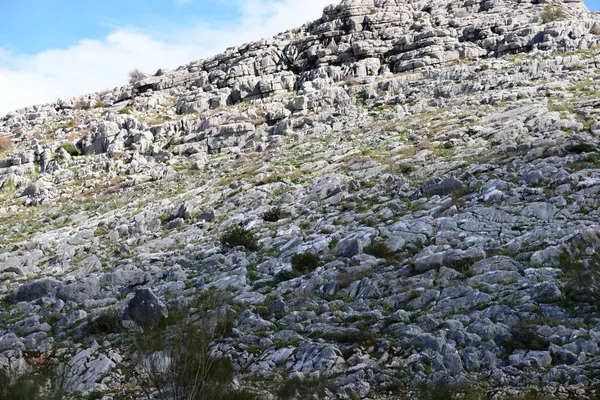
[{"x": 136, "y": 75}]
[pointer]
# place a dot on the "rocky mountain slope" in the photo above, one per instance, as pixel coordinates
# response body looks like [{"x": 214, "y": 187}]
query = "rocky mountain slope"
[{"x": 398, "y": 198}]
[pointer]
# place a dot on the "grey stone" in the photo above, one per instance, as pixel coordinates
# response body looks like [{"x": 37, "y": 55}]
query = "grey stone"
[
  {"x": 35, "y": 290},
  {"x": 145, "y": 308}
]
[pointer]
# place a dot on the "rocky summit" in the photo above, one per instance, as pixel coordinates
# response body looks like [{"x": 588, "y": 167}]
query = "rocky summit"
[{"x": 396, "y": 201}]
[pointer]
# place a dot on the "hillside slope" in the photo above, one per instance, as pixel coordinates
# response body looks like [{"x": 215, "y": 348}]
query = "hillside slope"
[{"x": 397, "y": 198}]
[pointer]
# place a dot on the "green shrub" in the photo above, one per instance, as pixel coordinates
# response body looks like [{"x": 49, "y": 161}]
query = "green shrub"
[
  {"x": 525, "y": 337},
  {"x": 100, "y": 104},
  {"x": 106, "y": 323},
  {"x": 552, "y": 13},
  {"x": 582, "y": 269},
  {"x": 238, "y": 236},
  {"x": 305, "y": 263},
  {"x": 53, "y": 318},
  {"x": 274, "y": 214},
  {"x": 580, "y": 148},
  {"x": 71, "y": 149},
  {"x": 380, "y": 249}
]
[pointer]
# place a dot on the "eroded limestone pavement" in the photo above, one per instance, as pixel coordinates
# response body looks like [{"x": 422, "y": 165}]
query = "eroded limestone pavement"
[{"x": 462, "y": 134}]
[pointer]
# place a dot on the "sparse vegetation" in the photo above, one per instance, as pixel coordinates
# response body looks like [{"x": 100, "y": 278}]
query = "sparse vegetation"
[
  {"x": 126, "y": 110},
  {"x": 71, "y": 149},
  {"x": 239, "y": 236},
  {"x": 305, "y": 262},
  {"x": 525, "y": 337},
  {"x": 580, "y": 262},
  {"x": 6, "y": 144},
  {"x": 105, "y": 323},
  {"x": 274, "y": 214},
  {"x": 380, "y": 249},
  {"x": 45, "y": 382},
  {"x": 552, "y": 12},
  {"x": 175, "y": 357}
]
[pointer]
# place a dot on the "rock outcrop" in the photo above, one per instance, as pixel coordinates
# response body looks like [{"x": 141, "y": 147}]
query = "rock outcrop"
[{"x": 401, "y": 194}]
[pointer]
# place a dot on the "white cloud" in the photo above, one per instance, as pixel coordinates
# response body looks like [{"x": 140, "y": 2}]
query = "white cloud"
[{"x": 94, "y": 65}]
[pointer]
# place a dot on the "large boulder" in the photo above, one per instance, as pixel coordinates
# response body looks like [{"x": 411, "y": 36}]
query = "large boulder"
[
  {"x": 35, "y": 290},
  {"x": 146, "y": 309}
]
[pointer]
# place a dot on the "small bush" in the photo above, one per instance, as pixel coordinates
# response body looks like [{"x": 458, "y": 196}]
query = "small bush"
[
  {"x": 580, "y": 148},
  {"x": 136, "y": 75},
  {"x": 552, "y": 13},
  {"x": 5, "y": 144},
  {"x": 274, "y": 214},
  {"x": 239, "y": 236},
  {"x": 71, "y": 149},
  {"x": 525, "y": 337},
  {"x": 582, "y": 269},
  {"x": 305, "y": 263},
  {"x": 380, "y": 249},
  {"x": 100, "y": 104},
  {"x": 105, "y": 324},
  {"x": 53, "y": 318}
]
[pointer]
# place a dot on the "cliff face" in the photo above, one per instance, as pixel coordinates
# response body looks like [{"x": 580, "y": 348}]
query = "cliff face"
[{"x": 398, "y": 195}]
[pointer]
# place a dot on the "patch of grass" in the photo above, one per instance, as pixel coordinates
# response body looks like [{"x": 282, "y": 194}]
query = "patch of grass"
[
  {"x": 71, "y": 149},
  {"x": 126, "y": 110},
  {"x": 100, "y": 104},
  {"x": 239, "y": 236}
]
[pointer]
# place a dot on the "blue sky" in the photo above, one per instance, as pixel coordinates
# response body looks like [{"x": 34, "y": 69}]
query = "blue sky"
[
  {"x": 63, "y": 48},
  {"x": 32, "y": 26},
  {"x": 593, "y": 5}
]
